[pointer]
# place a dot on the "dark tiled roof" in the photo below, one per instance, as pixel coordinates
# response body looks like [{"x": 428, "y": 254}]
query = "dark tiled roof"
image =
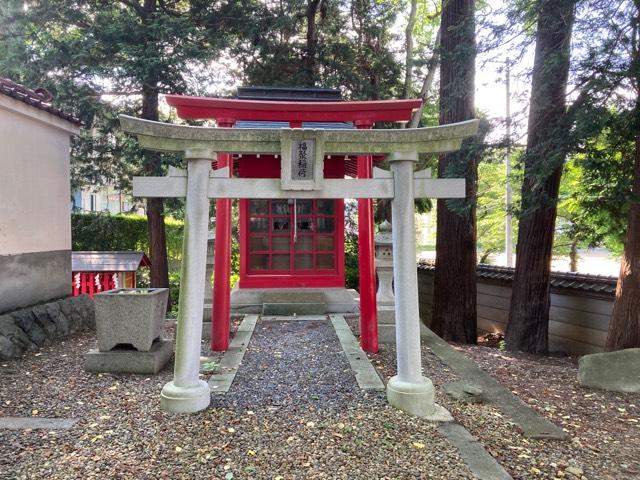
[
  {"x": 577, "y": 281},
  {"x": 108, "y": 261},
  {"x": 289, "y": 94},
  {"x": 38, "y": 98}
]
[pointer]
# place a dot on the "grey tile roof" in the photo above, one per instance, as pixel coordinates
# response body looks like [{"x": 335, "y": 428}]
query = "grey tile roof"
[
  {"x": 108, "y": 261},
  {"x": 602, "y": 284},
  {"x": 38, "y": 98},
  {"x": 318, "y": 125},
  {"x": 296, "y": 94}
]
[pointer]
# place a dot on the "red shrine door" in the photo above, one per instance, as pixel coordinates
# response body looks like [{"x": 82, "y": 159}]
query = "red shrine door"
[{"x": 292, "y": 243}]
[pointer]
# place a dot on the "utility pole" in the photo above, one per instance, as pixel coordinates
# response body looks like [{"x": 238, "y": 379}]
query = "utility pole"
[{"x": 508, "y": 229}]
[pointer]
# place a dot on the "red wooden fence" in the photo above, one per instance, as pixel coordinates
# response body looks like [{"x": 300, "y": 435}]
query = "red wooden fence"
[{"x": 96, "y": 282}]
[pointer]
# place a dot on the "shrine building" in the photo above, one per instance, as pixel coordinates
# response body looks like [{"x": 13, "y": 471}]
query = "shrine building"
[{"x": 296, "y": 245}]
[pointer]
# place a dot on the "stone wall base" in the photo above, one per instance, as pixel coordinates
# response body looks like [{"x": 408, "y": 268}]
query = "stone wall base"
[
  {"x": 30, "y": 328},
  {"x": 32, "y": 278}
]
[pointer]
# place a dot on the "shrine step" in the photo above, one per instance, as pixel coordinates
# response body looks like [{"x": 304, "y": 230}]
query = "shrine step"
[
  {"x": 290, "y": 303},
  {"x": 252, "y": 300}
]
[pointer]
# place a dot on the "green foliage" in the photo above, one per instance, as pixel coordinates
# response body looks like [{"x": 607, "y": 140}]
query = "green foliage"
[
  {"x": 354, "y": 47},
  {"x": 598, "y": 182},
  {"x": 209, "y": 367},
  {"x": 105, "y": 232},
  {"x": 174, "y": 293},
  {"x": 351, "y": 265},
  {"x": 143, "y": 281},
  {"x": 101, "y": 58},
  {"x": 491, "y": 206},
  {"x": 572, "y": 226}
]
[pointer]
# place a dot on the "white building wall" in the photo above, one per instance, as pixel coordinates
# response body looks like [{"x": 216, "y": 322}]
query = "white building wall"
[
  {"x": 34, "y": 180},
  {"x": 35, "y": 226}
]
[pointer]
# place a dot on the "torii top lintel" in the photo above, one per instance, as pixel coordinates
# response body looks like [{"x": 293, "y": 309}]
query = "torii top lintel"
[
  {"x": 166, "y": 137},
  {"x": 231, "y": 110}
]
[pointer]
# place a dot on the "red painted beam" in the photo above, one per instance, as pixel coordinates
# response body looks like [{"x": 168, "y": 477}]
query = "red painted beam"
[
  {"x": 366, "y": 260},
  {"x": 228, "y": 109}
]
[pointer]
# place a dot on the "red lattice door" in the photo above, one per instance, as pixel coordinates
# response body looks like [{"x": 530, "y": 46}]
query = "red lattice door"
[{"x": 292, "y": 243}]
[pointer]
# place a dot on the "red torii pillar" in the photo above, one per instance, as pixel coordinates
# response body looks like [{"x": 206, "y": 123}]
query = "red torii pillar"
[
  {"x": 221, "y": 303},
  {"x": 366, "y": 258}
]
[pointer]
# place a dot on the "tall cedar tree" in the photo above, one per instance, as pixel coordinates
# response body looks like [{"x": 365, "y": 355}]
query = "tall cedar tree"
[
  {"x": 624, "y": 327},
  {"x": 311, "y": 53},
  {"x": 454, "y": 306},
  {"x": 143, "y": 47},
  {"x": 322, "y": 43},
  {"x": 547, "y": 145}
]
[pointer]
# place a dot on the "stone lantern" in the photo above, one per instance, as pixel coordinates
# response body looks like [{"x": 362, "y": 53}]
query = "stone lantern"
[
  {"x": 385, "y": 297},
  {"x": 208, "y": 286}
]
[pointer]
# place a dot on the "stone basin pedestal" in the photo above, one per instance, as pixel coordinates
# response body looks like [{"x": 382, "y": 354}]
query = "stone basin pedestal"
[{"x": 129, "y": 329}]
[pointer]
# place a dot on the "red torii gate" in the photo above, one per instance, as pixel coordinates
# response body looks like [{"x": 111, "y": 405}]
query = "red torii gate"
[{"x": 363, "y": 115}]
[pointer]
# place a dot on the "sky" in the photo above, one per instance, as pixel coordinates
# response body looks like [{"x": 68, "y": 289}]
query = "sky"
[{"x": 491, "y": 95}]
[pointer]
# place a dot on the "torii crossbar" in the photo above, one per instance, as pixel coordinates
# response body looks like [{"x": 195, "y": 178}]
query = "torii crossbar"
[{"x": 302, "y": 152}]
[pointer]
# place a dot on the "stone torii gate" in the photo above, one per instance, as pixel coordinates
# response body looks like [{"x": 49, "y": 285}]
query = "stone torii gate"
[{"x": 302, "y": 152}]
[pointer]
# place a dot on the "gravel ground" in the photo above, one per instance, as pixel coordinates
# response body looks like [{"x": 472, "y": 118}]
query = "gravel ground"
[
  {"x": 281, "y": 421},
  {"x": 604, "y": 426},
  {"x": 270, "y": 375}
]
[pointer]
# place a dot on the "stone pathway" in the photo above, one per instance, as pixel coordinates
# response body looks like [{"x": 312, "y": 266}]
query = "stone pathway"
[
  {"x": 33, "y": 423},
  {"x": 315, "y": 363},
  {"x": 294, "y": 363},
  {"x": 479, "y": 461},
  {"x": 532, "y": 424},
  {"x": 232, "y": 359},
  {"x": 367, "y": 376}
]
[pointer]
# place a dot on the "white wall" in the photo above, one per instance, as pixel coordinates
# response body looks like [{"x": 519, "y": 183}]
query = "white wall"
[
  {"x": 34, "y": 179},
  {"x": 35, "y": 223}
]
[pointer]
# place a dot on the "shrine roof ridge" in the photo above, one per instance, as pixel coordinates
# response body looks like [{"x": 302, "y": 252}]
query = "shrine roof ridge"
[
  {"x": 367, "y": 111},
  {"x": 169, "y": 137}
]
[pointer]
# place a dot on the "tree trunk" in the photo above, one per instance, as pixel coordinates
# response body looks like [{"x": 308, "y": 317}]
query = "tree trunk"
[
  {"x": 152, "y": 167},
  {"x": 624, "y": 327},
  {"x": 408, "y": 45},
  {"x": 454, "y": 305},
  {"x": 312, "y": 42},
  {"x": 155, "y": 206},
  {"x": 527, "y": 329},
  {"x": 432, "y": 65},
  {"x": 573, "y": 256}
]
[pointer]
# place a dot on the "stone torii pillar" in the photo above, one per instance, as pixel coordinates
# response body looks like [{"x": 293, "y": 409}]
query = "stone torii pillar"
[
  {"x": 409, "y": 390},
  {"x": 302, "y": 155},
  {"x": 187, "y": 393}
]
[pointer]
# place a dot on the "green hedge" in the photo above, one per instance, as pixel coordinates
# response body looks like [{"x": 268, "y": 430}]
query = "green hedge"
[{"x": 106, "y": 232}]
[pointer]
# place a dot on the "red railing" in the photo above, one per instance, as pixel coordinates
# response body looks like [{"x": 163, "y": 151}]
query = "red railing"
[{"x": 96, "y": 282}]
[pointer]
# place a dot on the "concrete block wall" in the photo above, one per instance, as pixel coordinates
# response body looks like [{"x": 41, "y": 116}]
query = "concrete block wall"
[
  {"x": 578, "y": 320},
  {"x": 30, "y": 328}
]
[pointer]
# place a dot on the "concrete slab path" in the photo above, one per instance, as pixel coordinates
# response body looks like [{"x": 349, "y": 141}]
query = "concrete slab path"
[
  {"x": 532, "y": 424},
  {"x": 473, "y": 454},
  {"x": 366, "y": 374},
  {"x": 32, "y": 423},
  {"x": 221, "y": 382}
]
